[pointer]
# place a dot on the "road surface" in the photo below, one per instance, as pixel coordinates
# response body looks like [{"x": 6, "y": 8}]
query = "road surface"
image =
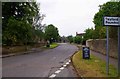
[{"x": 41, "y": 64}]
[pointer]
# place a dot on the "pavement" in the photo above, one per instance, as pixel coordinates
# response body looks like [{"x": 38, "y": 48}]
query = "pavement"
[
  {"x": 48, "y": 63},
  {"x": 112, "y": 61}
]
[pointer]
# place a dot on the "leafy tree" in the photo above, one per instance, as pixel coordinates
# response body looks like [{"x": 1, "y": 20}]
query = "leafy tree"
[
  {"x": 38, "y": 35},
  {"x": 16, "y": 29},
  {"x": 89, "y": 34},
  {"x": 19, "y": 20},
  {"x": 77, "y": 39},
  {"x": 107, "y": 9},
  {"x": 51, "y": 33},
  {"x": 20, "y": 11},
  {"x": 70, "y": 38},
  {"x": 99, "y": 32}
]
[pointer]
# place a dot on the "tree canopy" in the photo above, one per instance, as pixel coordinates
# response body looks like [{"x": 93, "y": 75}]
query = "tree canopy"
[
  {"x": 107, "y": 9},
  {"x": 70, "y": 38},
  {"x": 51, "y": 33},
  {"x": 19, "y": 22},
  {"x": 77, "y": 39}
]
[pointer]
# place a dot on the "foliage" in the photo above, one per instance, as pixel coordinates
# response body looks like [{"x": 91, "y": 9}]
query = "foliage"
[
  {"x": 98, "y": 33},
  {"x": 51, "y": 33},
  {"x": 70, "y": 38},
  {"x": 38, "y": 35},
  {"x": 107, "y": 9},
  {"x": 19, "y": 10},
  {"x": 19, "y": 22},
  {"x": 16, "y": 29},
  {"x": 89, "y": 34},
  {"x": 77, "y": 39}
]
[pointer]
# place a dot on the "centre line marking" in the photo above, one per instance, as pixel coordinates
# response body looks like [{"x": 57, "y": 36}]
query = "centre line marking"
[
  {"x": 58, "y": 71},
  {"x": 64, "y": 65},
  {"x": 52, "y": 76},
  {"x": 67, "y": 63},
  {"x": 61, "y": 68}
]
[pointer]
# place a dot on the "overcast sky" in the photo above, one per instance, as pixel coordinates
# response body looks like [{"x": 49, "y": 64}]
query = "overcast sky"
[{"x": 70, "y": 16}]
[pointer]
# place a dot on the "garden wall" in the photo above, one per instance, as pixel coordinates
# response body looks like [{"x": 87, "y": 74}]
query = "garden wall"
[{"x": 99, "y": 45}]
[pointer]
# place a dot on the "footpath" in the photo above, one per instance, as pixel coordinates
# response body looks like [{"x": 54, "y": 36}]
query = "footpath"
[{"x": 112, "y": 61}]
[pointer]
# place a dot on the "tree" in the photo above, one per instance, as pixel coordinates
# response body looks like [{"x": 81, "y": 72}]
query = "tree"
[
  {"x": 107, "y": 9},
  {"x": 19, "y": 20},
  {"x": 89, "y": 34},
  {"x": 38, "y": 35},
  {"x": 70, "y": 38},
  {"x": 19, "y": 10},
  {"x": 51, "y": 33},
  {"x": 12, "y": 35},
  {"x": 77, "y": 39}
]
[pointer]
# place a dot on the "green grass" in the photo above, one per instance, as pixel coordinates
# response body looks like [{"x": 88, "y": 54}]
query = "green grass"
[
  {"x": 53, "y": 45},
  {"x": 93, "y": 67}
]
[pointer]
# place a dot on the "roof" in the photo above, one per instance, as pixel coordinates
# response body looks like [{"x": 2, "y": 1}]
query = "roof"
[{"x": 79, "y": 34}]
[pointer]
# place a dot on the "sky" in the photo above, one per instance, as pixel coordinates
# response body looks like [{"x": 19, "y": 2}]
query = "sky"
[{"x": 70, "y": 16}]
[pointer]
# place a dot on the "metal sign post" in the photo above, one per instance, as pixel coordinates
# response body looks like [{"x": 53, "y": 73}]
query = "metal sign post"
[
  {"x": 107, "y": 51},
  {"x": 112, "y": 21},
  {"x": 118, "y": 51}
]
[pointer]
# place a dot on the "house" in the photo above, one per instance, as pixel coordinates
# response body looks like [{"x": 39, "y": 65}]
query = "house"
[{"x": 79, "y": 34}]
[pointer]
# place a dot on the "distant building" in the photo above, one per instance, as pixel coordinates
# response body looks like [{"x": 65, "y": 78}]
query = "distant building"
[
  {"x": 64, "y": 39},
  {"x": 79, "y": 34},
  {"x": 82, "y": 35}
]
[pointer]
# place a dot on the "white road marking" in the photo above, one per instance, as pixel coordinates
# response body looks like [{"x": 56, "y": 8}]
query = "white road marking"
[
  {"x": 58, "y": 71},
  {"x": 61, "y": 68},
  {"x": 64, "y": 65},
  {"x": 52, "y": 76},
  {"x": 67, "y": 63}
]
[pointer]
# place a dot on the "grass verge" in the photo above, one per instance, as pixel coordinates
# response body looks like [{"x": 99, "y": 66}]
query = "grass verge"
[
  {"x": 93, "y": 67},
  {"x": 53, "y": 45}
]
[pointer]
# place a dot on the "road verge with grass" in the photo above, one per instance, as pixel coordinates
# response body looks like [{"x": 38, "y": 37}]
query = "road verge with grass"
[
  {"x": 93, "y": 67},
  {"x": 52, "y": 45}
]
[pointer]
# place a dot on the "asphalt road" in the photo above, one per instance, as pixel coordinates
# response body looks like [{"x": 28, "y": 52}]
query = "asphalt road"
[{"x": 40, "y": 64}]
